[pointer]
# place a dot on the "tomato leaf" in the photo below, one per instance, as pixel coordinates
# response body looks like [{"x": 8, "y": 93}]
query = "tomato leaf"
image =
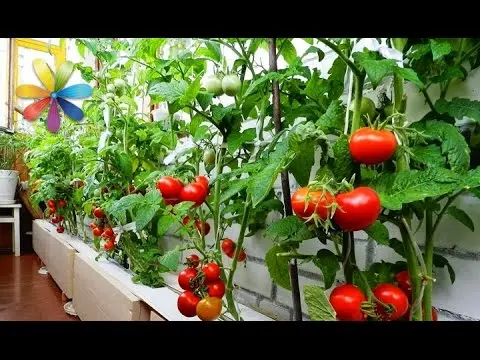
[
  {"x": 164, "y": 224},
  {"x": 288, "y": 51},
  {"x": 236, "y": 140},
  {"x": 215, "y": 50},
  {"x": 336, "y": 78},
  {"x": 475, "y": 192},
  {"x": 450, "y": 73},
  {"x": 452, "y": 143},
  {"x": 171, "y": 259},
  {"x": 461, "y": 216},
  {"x": 261, "y": 80},
  {"x": 204, "y": 99},
  {"x": 343, "y": 165},
  {"x": 334, "y": 117},
  {"x": 171, "y": 91},
  {"x": 413, "y": 185},
  {"x": 379, "y": 233},
  {"x": 234, "y": 187},
  {"x": 316, "y": 86},
  {"x": 278, "y": 267},
  {"x": 327, "y": 262},
  {"x": 439, "y": 261},
  {"x": 319, "y": 307},
  {"x": 118, "y": 208},
  {"x": 290, "y": 228},
  {"x": 439, "y": 48},
  {"x": 408, "y": 74},
  {"x": 459, "y": 108},
  {"x": 430, "y": 155},
  {"x": 149, "y": 208}
]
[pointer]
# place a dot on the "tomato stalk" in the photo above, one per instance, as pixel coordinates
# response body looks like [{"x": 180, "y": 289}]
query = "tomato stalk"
[
  {"x": 293, "y": 268},
  {"x": 427, "y": 300}
]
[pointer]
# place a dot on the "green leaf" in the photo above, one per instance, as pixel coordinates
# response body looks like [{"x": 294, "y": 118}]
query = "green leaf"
[
  {"x": 234, "y": 187},
  {"x": 118, "y": 208},
  {"x": 430, "y": 155},
  {"x": 343, "y": 165},
  {"x": 397, "y": 246},
  {"x": 450, "y": 73},
  {"x": 171, "y": 259},
  {"x": 439, "y": 48},
  {"x": 409, "y": 74},
  {"x": 376, "y": 69},
  {"x": 459, "y": 108},
  {"x": 439, "y": 261},
  {"x": 319, "y": 307},
  {"x": 475, "y": 192},
  {"x": 145, "y": 215},
  {"x": 452, "y": 142},
  {"x": 236, "y": 140},
  {"x": 261, "y": 80},
  {"x": 192, "y": 91},
  {"x": 204, "y": 99},
  {"x": 327, "y": 262},
  {"x": 461, "y": 216},
  {"x": 316, "y": 86},
  {"x": 215, "y": 50},
  {"x": 195, "y": 123},
  {"x": 278, "y": 267},
  {"x": 288, "y": 51},
  {"x": 200, "y": 133},
  {"x": 336, "y": 77},
  {"x": 124, "y": 163},
  {"x": 314, "y": 50},
  {"x": 164, "y": 224},
  {"x": 334, "y": 117},
  {"x": 413, "y": 185},
  {"x": 174, "y": 90},
  {"x": 287, "y": 229},
  {"x": 379, "y": 233},
  {"x": 219, "y": 112},
  {"x": 301, "y": 166}
]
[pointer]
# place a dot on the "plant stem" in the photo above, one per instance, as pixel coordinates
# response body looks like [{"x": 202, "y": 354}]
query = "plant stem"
[
  {"x": 340, "y": 53},
  {"x": 427, "y": 299},
  {"x": 216, "y": 210},
  {"x": 297, "y": 305},
  {"x": 444, "y": 209},
  {"x": 348, "y": 254},
  {"x": 239, "y": 247},
  {"x": 359, "y": 80},
  {"x": 427, "y": 98}
]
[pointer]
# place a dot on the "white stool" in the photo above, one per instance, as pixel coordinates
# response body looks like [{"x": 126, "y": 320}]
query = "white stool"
[{"x": 15, "y": 220}]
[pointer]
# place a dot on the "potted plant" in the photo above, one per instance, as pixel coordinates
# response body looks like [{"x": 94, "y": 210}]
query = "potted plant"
[{"x": 8, "y": 176}]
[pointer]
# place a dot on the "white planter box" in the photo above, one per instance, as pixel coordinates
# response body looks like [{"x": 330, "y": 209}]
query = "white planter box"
[{"x": 40, "y": 239}]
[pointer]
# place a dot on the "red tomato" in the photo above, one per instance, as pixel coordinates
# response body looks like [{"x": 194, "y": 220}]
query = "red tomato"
[
  {"x": 109, "y": 245},
  {"x": 193, "y": 192},
  {"x": 434, "y": 315},
  {"x": 206, "y": 227},
  {"x": 403, "y": 281},
  {"x": 193, "y": 260},
  {"x": 228, "y": 247},
  {"x": 216, "y": 289},
  {"x": 204, "y": 181},
  {"x": 131, "y": 189},
  {"x": 108, "y": 232},
  {"x": 62, "y": 203},
  {"x": 358, "y": 209},
  {"x": 390, "y": 294},
  {"x": 184, "y": 278},
  {"x": 370, "y": 146},
  {"x": 92, "y": 225},
  {"x": 305, "y": 203},
  {"x": 52, "y": 210},
  {"x": 56, "y": 219},
  {"x": 170, "y": 187},
  {"x": 98, "y": 213},
  {"x": 211, "y": 271},
  {"x": 60, "y": 229},
  {"x": 97, "y": 231},
  {"x": 209, "y": 309},
  {"x": 346, "y": 300},
  {"x": 187, "y": 303},
  {"x": 51, "y": 204},
  {"x": 171, "y": 201},
  {"x": 242, "y": 256}
]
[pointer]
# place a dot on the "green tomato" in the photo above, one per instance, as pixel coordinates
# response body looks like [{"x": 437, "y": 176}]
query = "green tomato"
[
  {"x": 231, "y": 85},
  {"x": 367, "y": 107},
  {"x": 213, "y": 85},
  {"x": 123, "y": 106},
  {"x": 109, "y": 95},
  {"x": 388, "y": 110},
  {"x": 209, "y": 157},
  {"x": 119, "y": 83},
  {"x": 96, "y": 193},
  {"x": 111, "y": 88},
  {"x": 110, "y": 101}
]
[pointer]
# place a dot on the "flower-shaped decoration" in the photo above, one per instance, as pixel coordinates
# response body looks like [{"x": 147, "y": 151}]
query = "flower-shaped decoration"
[{"x": 54, "y": 94}]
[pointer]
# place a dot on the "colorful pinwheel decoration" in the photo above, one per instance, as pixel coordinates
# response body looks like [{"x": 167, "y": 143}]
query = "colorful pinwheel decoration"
[{"x": 54, "y": 94}]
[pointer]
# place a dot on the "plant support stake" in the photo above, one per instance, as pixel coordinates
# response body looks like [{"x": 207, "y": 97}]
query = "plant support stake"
[{"x": 272, "y": 52}]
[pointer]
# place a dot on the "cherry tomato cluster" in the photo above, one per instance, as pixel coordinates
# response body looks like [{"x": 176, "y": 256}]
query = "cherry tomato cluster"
[
  {"x": 174, "y": 191},
  {"x": 357, "y": 209},
  {"x": 198, "y": 225},
  {"x": 101, "y": 228},
  {"x": 229, "y": 247},
  {"x": 203, "y": 290},
  {"x": 57, "y": 218}
]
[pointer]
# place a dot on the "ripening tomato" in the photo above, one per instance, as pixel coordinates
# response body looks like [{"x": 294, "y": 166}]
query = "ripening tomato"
[
  {"x": 172, "y": 202},
  {"x": 170, "y": 187},
  {"x": 434, "y": 315},
  {"x": 51, "y": 204},
  {"x": 305, "y": 203},
  {"x": 62, "y": 203},
  {"x": 185, "y": 276},
  {"x": 404, "y": 283},
  {"x": 228, "y": 247},
  {"x": 390, "y": 295},
  {"x": 52, "y": 210},
  {"x": 358, "y": 209},
  {"x": 98, "y": 212},
  {"x": 97, "y": 231},
  {"x": 60, "y": 229},
  {"x": 242, "y": 256},
  {"x": 204, "y": 181},
  {"x": 193, "y": 192},
  {"x": 108, "y": 232},
  {"x": 193, "y": 260},
  {"x": 209, "y": 308},
  {"x": 56, "y": 220},
  {"x": 187, "y": 303},
  {"x": 346, "y": 300},
  {"x": 216, "y": 288},
  {"x": 371, "y": 147},
  {"x": 206, "y": 227},
  {"x": 211, "y": 271},
  {"x": 109, "y": 245}
]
